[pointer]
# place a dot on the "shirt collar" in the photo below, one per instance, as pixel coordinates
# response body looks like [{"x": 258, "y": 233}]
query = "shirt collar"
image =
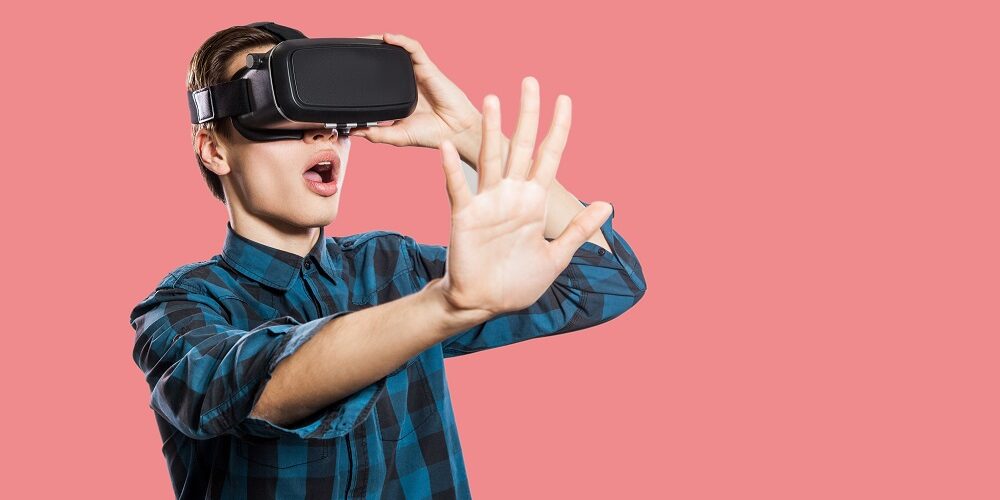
[{"x": 274, "y": 267}]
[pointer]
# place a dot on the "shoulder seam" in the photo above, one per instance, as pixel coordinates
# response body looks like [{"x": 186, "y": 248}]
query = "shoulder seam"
[
  {"x": 173, "y": 278},
  {"x": 363, "y": 237}
]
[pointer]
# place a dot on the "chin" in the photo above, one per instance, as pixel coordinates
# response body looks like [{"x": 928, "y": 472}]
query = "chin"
[
  {"x": 323, "y": 217},
  {"x": 312, "y": 210}
]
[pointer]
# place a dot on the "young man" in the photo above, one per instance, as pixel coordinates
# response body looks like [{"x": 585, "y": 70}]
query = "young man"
[{"x": 297, "y": 365}]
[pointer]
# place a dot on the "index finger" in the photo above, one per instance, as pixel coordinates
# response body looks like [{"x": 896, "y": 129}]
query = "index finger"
[{"x": 412, "y": 46}]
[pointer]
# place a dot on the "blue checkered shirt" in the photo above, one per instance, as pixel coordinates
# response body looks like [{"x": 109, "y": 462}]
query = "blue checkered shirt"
[{"x": 210, "y": 334}]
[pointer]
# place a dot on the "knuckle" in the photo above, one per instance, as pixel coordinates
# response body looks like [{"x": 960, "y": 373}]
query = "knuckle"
[{"x": 551, "y": 155}]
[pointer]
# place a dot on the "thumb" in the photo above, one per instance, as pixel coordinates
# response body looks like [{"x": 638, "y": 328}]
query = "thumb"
[
  {"x": 579, "y": 230},
  {"x": 393, "y": 134}
]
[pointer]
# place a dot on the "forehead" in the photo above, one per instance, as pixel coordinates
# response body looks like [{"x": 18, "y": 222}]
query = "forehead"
[{"x": 239, "y": 59}]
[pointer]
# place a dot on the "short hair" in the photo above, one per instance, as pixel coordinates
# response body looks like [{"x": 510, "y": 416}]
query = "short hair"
[{"x": 208, "y": 67}]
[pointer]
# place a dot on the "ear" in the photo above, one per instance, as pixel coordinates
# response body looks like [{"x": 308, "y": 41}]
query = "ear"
[{"x": 211, "y": 152}]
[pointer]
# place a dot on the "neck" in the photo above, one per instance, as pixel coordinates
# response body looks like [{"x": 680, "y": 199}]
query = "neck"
[{"x": 292, "y": 239}]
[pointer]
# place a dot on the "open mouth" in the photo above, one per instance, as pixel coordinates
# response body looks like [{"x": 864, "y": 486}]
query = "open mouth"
[{"x": 320, "y": 172}]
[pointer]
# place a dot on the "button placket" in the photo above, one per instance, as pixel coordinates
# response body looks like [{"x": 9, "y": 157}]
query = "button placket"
[{"x": 313, "y": 294}]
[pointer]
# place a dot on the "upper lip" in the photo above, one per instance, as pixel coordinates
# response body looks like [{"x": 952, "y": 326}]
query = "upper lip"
[{"x": 321, "y": 156}]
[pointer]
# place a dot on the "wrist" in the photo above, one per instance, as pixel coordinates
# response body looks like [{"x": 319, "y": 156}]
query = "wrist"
[
  {"x": 467, "y": 142},
  {"x": 452, "y": 318}
]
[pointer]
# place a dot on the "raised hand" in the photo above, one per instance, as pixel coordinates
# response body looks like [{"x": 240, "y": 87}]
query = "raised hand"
[{"x": 498, "y": 259}]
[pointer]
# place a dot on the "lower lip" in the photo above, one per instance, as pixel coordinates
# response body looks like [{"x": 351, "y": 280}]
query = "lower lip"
[{"x": 322, "y": 188}]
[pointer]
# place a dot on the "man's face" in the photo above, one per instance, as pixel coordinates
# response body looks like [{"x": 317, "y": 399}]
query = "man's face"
[{"x": 266, "y": 179}]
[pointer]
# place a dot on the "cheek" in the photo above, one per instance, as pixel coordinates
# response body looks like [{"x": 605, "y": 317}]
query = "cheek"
[
  {"x": 264, "y": 184},
  {"x": 344, "y": 142},
  {"x": 345, "y": 155}
]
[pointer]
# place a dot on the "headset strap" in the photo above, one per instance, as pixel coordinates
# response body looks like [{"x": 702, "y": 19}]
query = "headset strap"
[
  {"x": 282, "y": 32},
  {"x": 219, "y": 101},
  {"x": 232, "y": 98}
]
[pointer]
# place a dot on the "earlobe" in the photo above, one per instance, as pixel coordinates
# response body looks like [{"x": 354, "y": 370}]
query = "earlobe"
[{"x": 212, "y": 153}]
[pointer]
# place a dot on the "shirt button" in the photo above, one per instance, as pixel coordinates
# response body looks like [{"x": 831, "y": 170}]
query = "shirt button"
[
  {"x": 601, "y": 251},
  {"x": 308, "y": 264}
]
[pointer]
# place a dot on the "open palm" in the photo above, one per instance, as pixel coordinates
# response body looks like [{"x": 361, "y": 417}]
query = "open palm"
[{"x": 498, "y": 259}]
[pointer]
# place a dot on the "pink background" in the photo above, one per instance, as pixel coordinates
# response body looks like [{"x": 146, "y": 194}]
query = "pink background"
[{"x": 812, "y": 192}]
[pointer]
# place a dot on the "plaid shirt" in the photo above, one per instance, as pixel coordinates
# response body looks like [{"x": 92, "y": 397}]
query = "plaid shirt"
[{"x": 210, "y": 334}]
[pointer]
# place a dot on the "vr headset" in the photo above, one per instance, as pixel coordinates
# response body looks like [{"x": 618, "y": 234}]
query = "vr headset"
[{"x": 308, "y": 83}]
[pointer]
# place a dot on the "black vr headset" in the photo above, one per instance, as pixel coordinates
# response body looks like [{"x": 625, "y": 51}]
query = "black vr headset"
[{"x": 303, "y": 83}]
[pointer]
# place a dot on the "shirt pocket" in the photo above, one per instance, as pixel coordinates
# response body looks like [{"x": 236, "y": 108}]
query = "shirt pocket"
[
  {"x": 247, "y": 315},
  {"x": 373, "y": 291},
  {"x": 407, "y": 404},
  {"x": 273, "y": 454}
]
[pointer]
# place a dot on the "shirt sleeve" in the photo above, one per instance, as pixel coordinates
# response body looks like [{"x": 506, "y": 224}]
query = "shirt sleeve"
[
  {"x": 595, "y": 287},
  {"x": 206, "y": 375}
]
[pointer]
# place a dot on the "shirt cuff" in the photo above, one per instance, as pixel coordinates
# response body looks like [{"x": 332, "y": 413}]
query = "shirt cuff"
[
  {"x": 622, "y": 257},
  {"x": 335, "y": 420}
]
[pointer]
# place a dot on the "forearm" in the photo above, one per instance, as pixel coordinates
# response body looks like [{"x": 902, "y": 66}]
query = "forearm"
[
  {"x": 561, "y": 206},
  {"x": 356, "y": 349}
]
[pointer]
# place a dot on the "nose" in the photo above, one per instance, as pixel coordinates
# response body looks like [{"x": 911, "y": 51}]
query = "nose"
[{"x": 319, "y": 134}]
